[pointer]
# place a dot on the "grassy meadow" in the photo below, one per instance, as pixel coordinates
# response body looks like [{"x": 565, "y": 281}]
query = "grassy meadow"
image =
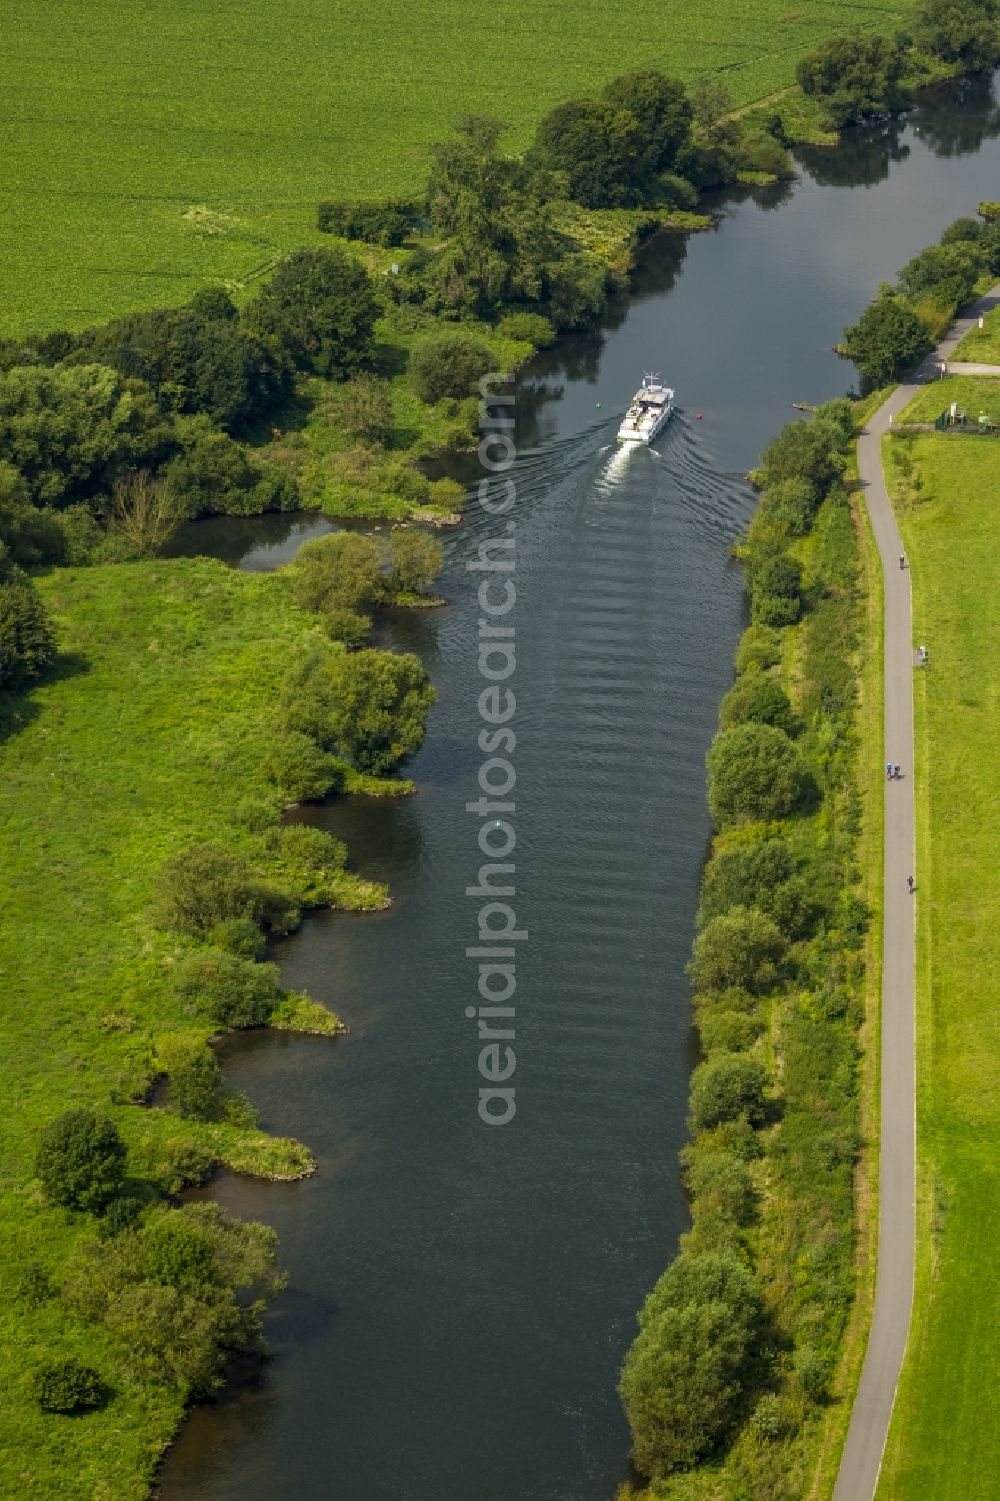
[
  {"x": 974, "y": 394},
  {"x": 150, "y": 734},
  {"x": 942, "y": 1442},
  {"x": 152, "y": 149}
]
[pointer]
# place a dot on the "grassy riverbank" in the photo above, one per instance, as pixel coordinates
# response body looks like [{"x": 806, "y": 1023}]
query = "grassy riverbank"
[
  {"x": 941, "y": 1442},
  {"x": 152, "y": 733},
  {"x": 165, "y": 148}
]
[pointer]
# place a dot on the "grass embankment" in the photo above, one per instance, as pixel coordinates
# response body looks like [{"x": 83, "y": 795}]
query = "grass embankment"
[
  {"x": 941, "y": 1442},
  {"x": 975, "y": 394},
  {"x": 150, "y": 736},
  {"x": 982, "y": 346},
  {"x": 162, "y": 148}
]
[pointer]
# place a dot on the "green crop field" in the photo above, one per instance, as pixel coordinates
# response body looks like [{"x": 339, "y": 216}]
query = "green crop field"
[
  {"x": 153, "y": 148},
  {"x": 942, "y": 1443}
]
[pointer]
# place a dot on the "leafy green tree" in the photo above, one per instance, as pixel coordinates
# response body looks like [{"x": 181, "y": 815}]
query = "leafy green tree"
[
  {"x": 887, "y": 340},
  {"x": 682, "y": 1379},
  {"x": 726, "y": 1087},
  {"x": 740, "y": 947},
  {"x": 720, "y": 1183},
  {"x": 214, "y": 304},
  {"x": 81, "y": 1160},
  {"x": 178, "y": 1253},
  {"x": 72, "y": 430},
  {"x": 661, "y": 108},
  {"x": 961, "y": 31},
  {"x": 789, "y": 507},
  {"x": 384, "y": 224},
  {"x": 680, "y": 1386},
  {"x": 594, "y": 145},
  {"x": 759, "y": 699},
  {"x": 502, "y": 246},
  {"x": 28, "y": 535},
  {"x": 67, "y": 1386},
  {"x": 754, "y": 772},
  {"x": 27, "y": 639},
  {"x": 856, "y": 76},
  {"x": 214, "y": 476},
  {"x": 370, "y": 706},
  {"x": 744, "y": 875},
  {"x": 320, "y": 305},
  {"x": 448, "y": 364},
  {"x": 416, "y": 559},
  {"x": 231, "y": 991},
  {"x": 195, "y": 361},
  {"x": 957, "y": 263}
]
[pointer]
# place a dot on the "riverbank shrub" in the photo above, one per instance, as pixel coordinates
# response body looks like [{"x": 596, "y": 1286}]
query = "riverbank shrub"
[
  {"x": 776, "y": 969},
  {"x": 741, "y": 947},
  {"x": 369, "y": 706},
  {"x": 448, "y": 364},
  {"x": 759, "y": 649},
  {"x": 754, "y": 772},
  {"x": 416, "y": 559},
  {"x": 682, "y": 1380},
  {"x": 531, "y": 328},
  {"x": 298, "y": 766},
  {"x": 67, "y": 1386},
  {"x": 775, "y": 589},
  {"x": 756, "y": 698},
  {"x": 206, "y": 884},
  {"x": 230, "y": 991},
  {"x": 81, "y": 1160},
  {"x": 182, "y": 1293}
]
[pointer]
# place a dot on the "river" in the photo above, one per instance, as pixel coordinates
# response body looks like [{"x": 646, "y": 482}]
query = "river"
[{"x": 461, "y": 1296}]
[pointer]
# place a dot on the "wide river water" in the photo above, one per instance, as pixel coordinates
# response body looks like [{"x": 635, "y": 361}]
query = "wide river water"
[{"x": 461, "y": 1296}]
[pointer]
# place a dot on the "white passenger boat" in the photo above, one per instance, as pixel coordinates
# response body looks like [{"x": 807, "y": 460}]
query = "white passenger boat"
[{"x": 649, "y": 412}]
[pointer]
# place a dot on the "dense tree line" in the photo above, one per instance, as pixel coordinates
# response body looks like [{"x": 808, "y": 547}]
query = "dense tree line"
[
  {"x": 863, "y": 75},
  {"x": 905, "y": 321},
  {"x": 726, "y": 1357}
]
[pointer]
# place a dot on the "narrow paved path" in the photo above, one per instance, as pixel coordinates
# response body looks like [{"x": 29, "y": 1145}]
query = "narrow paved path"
[{"x": 866, "y": 1436}]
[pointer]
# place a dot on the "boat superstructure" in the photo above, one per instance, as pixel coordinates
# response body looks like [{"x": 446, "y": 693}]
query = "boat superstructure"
[{"x": 648, "y": 412}]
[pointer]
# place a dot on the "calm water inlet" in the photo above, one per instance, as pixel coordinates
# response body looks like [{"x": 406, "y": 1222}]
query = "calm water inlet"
[{"x": 460, "y": 1298}]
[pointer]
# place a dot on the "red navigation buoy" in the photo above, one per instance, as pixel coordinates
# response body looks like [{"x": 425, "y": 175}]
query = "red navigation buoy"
[{"x": 698, "y": 416}]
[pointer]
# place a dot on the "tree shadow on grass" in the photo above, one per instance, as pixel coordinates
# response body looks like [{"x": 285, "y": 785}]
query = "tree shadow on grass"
[{"x": 18, "y": 710}]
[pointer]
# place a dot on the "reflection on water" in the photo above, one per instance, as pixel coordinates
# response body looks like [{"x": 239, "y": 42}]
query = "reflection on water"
[{"x": 460, "y": 1298}]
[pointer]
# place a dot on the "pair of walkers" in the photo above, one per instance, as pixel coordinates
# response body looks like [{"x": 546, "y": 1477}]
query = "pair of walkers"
[{"x": 892, "y": 773}]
